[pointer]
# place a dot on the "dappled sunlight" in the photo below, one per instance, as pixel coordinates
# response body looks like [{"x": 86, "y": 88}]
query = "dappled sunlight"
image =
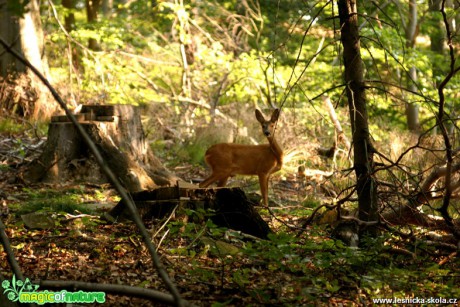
[{"x": 163, "y": 183}]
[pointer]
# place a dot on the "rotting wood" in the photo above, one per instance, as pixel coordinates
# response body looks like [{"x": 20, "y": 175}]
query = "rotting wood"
[
  {"x": 228, "y": 207},
  {"x": 118, "y": 134}
]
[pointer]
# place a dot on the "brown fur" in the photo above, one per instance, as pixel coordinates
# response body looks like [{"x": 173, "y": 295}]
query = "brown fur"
[{"x": 228, "y": 159}]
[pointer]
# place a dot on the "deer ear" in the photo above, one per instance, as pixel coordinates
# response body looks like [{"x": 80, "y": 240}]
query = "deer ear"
[
  {"x": 259, "y": 116},
  {"x": 275, "y": 115}
]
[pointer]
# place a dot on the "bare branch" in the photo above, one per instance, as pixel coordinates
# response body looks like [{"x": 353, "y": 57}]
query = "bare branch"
[
  {"x": 150, "y": 294},
  {"x": 9, "y": 252},
  {"x": 449, "y": 156}
]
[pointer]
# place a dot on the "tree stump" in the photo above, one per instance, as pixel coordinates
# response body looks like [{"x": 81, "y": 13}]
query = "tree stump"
[
  {"x": 118, "y": 134},
  {"x": 228, "y": 207}
]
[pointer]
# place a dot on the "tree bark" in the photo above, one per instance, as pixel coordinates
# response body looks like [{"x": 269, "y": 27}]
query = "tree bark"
[
  {"x": 32, "y": 39},
  {"x": 107, "y": 6},
  {"x": 9, "y": 31},
  {"x": 412, "y": 109},
  {"x": 92, "y": 8},
  {"x": 24, "y": 33},
  {"x": 355, "y": 90},
  {"x": 227, "y": 207},
  {"x": 118, "y": 134},
  {"x": 69, "y": 25},
  {"x": 69, "y": 18}
]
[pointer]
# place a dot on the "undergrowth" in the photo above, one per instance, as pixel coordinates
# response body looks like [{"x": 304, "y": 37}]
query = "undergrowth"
[
  {"x": 51, "y": 200},
  {"x": 292, "y": 267},
  {"x": 312, "y": 267}
]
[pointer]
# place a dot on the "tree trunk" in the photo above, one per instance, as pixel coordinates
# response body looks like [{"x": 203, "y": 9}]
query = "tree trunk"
[
  {"x": 362, "y": 147},
  {"x": 9, "y": 31},
  {"x": 92, "y": 8},
  {"x": 69, "y": 18},
  {"x": 412, "y": 109},
  {"x": 31, "y": 34},
  {"x": 25, "y": 34},
  {"x": 107, "y": 6},
  {"x": 69, "y": 25}
]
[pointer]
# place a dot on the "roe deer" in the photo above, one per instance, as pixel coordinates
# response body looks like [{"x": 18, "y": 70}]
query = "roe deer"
[{"x": 228, "y": 159}]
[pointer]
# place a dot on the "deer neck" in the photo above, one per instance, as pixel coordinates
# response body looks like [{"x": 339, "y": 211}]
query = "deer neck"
[{"x": 276, "y": 149}]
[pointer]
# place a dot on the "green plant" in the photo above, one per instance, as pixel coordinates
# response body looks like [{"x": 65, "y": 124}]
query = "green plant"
[{"x": 51, "y": 201}]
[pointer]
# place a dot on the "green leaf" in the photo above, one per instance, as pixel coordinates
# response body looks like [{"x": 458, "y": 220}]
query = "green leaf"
[{"x": 18, "y": 7}]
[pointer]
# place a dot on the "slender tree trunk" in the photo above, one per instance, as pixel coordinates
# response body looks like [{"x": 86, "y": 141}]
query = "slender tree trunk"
[
  {"x": 438, "y": 45},
  {"x": 69, "y": 24},
  {"x": 354, "y": 78},
  {"x": 412, "y": 109},
  {"x": 69, "y": 18},
  {"x": 92, "y": 8},
  {"x": 437, "y": 39},
  {"x": 107, "y": 6}
]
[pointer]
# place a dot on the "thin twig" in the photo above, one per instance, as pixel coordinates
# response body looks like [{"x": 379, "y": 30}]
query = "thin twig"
[
  {"x": 440, "y": 121},
  {"x": 9, "y": 252}
]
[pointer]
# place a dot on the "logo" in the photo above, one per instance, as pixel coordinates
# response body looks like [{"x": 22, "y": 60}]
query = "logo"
[{"x": 26, "y": 292}]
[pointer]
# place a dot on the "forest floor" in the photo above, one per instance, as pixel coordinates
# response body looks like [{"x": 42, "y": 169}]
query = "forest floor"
[
  {"x": 87, "y": 248},
  {"x": 211, "y": 265},
  {"x": 82, "y": 246}
]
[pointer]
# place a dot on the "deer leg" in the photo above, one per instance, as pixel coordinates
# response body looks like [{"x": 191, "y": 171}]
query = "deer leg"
[
  {"x": 208, "y": 181},
  {"x": 263, "y": 182},
  {"x": 220, "y": 178},
  {"x": 222, "y": 182}
]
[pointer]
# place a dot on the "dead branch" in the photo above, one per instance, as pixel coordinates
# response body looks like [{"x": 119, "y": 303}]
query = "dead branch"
[
  {"x": 448, "y": 258},
  {"x": 426, "y": 193},
  {"x": 150, "y": 294},
  {"x": 338, "y": 127},
  {"x": 358, "y": 221},
  {"x": 438, "y": 244},
  {"x": 9, "y": 252},
  {"x": 402, "y": 251},
  {"x": 411, "y": 215},
  {"x": 442, "y": 124}
]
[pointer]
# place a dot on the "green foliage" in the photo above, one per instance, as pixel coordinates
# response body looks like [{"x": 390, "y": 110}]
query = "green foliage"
[
  {"x": 244, "y": 51},
  {"x": 18, "y": 7},
  {"x": 326, "y": 267},
  {"x": 14, "y": 127},
  {"x": 240, "y": 54},
  {"x": 195, "y": 151},
  {"x": 51, "y": 201},
  {"x": 10, "y": 126}
]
